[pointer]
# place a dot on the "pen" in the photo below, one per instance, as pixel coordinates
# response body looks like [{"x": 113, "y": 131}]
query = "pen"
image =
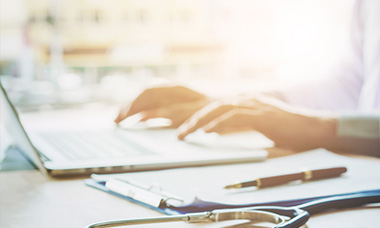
[{"x": 283, "y": 179}]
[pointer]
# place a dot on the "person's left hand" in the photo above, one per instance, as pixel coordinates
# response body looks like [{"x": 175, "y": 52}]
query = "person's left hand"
[
  {"x": 176, "y": 103},
  {"x": 286, "y": 126}
]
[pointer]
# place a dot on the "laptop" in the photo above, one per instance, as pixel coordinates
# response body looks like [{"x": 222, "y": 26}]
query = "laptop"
[{"x": 67, "y": 152}]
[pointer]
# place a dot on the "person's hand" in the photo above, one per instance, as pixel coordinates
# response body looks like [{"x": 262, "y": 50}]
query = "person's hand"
[
  {"x": 287, "y": 127},
  {"x": 176, "y": 103}
]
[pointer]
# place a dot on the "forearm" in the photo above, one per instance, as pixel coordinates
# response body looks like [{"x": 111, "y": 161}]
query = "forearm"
[
  {"x": 352, "y": 133},
  {"x": 356, "y": 134}
]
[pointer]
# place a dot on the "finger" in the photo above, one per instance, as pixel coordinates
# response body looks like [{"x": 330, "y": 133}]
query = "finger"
[
  {"x": 220, "y": 124},
  {"x": 150, "y": 114},
  {"x": 157, "y": 97},
  {"x": 201, "y": 118},
  {"x": 144, "y": 101},
  {"x": 123, "y": 113},
  {"x": 177, "y": 113},
  {"x": 232, "y": 121},
  {"x": 134, "y": 108},
  {"x": 210, "y": 112},
  {"x": 163, "y": 112}
]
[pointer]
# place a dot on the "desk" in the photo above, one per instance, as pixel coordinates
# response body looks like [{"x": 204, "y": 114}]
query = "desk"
[{"x": 31, "y": 200}]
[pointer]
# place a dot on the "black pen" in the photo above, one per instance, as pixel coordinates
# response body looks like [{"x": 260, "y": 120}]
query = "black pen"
[{"x": 283, "y": 179}]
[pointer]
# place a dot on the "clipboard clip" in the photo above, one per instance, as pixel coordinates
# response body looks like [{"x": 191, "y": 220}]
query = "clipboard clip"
[{"x": 152, "y": 195}]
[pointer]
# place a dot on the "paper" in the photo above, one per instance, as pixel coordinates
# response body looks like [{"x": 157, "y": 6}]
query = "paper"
[{"x": 207, "y": 182}]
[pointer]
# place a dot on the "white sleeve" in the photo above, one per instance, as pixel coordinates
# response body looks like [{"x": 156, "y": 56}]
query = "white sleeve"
[
  {"x": 359, "y": 126},
  {"x": 360, "y": 133}
]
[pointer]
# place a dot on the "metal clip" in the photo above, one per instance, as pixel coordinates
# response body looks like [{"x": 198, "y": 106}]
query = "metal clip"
[{"x": 139, "y": 192}]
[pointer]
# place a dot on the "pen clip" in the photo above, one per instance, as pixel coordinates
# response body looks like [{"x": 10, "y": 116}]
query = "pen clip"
[{"x": 141, "y": 193}]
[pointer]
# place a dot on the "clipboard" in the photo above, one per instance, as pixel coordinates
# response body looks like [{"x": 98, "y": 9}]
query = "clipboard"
[{"x": 197, "y": 189}]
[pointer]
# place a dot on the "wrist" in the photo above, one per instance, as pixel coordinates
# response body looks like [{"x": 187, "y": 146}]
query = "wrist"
[{"x": 326, "y": 134}]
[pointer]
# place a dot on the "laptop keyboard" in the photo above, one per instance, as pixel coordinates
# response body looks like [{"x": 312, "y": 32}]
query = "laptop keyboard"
[{"x": 76, "y": 145}]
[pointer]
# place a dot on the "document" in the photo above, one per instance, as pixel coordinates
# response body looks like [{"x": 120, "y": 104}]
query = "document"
[{"x": 207, "y": 183}]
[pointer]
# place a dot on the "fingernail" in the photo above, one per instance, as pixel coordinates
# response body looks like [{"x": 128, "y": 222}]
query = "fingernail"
[
  {"x": 181, "y": 135},
  {"x": 182, "y": 131}
]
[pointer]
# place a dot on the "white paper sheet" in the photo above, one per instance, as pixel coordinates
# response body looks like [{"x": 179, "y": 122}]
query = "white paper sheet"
[{"x": 207, "y": 182}]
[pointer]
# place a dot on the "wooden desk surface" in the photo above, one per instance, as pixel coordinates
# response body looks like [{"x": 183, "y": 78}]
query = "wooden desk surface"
[{"x": 29, "y": 199}]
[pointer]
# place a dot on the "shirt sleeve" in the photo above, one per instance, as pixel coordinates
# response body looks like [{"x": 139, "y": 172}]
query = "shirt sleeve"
[
  {"x": 359, "y": 126},
  {"x": 360, "y": 133}
]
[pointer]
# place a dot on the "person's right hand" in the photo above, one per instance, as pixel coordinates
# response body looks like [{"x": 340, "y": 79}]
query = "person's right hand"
[
  {"x": 176, "y": 103},
  {"x": 287, "y": 126}
]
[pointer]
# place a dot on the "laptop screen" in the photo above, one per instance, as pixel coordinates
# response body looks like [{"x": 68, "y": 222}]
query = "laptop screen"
[{"x": 11, "y": 121}]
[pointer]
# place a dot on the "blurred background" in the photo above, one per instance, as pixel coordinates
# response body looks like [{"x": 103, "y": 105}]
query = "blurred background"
[{"x": 57, "y": 54}]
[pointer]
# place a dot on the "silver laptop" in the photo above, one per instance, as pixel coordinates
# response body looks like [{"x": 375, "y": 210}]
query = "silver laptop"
[{"x": 110, "y": 150}]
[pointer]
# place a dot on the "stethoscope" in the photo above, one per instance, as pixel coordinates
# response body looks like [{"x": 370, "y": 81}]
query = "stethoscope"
[{"x": 280, "y": 216}]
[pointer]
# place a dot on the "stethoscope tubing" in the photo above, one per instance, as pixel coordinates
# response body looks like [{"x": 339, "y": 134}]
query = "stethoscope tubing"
[
  {"x": 298, "y": 215},
  {"x": 340, "y": 202},
  {"x": 200, "y": 205}
]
